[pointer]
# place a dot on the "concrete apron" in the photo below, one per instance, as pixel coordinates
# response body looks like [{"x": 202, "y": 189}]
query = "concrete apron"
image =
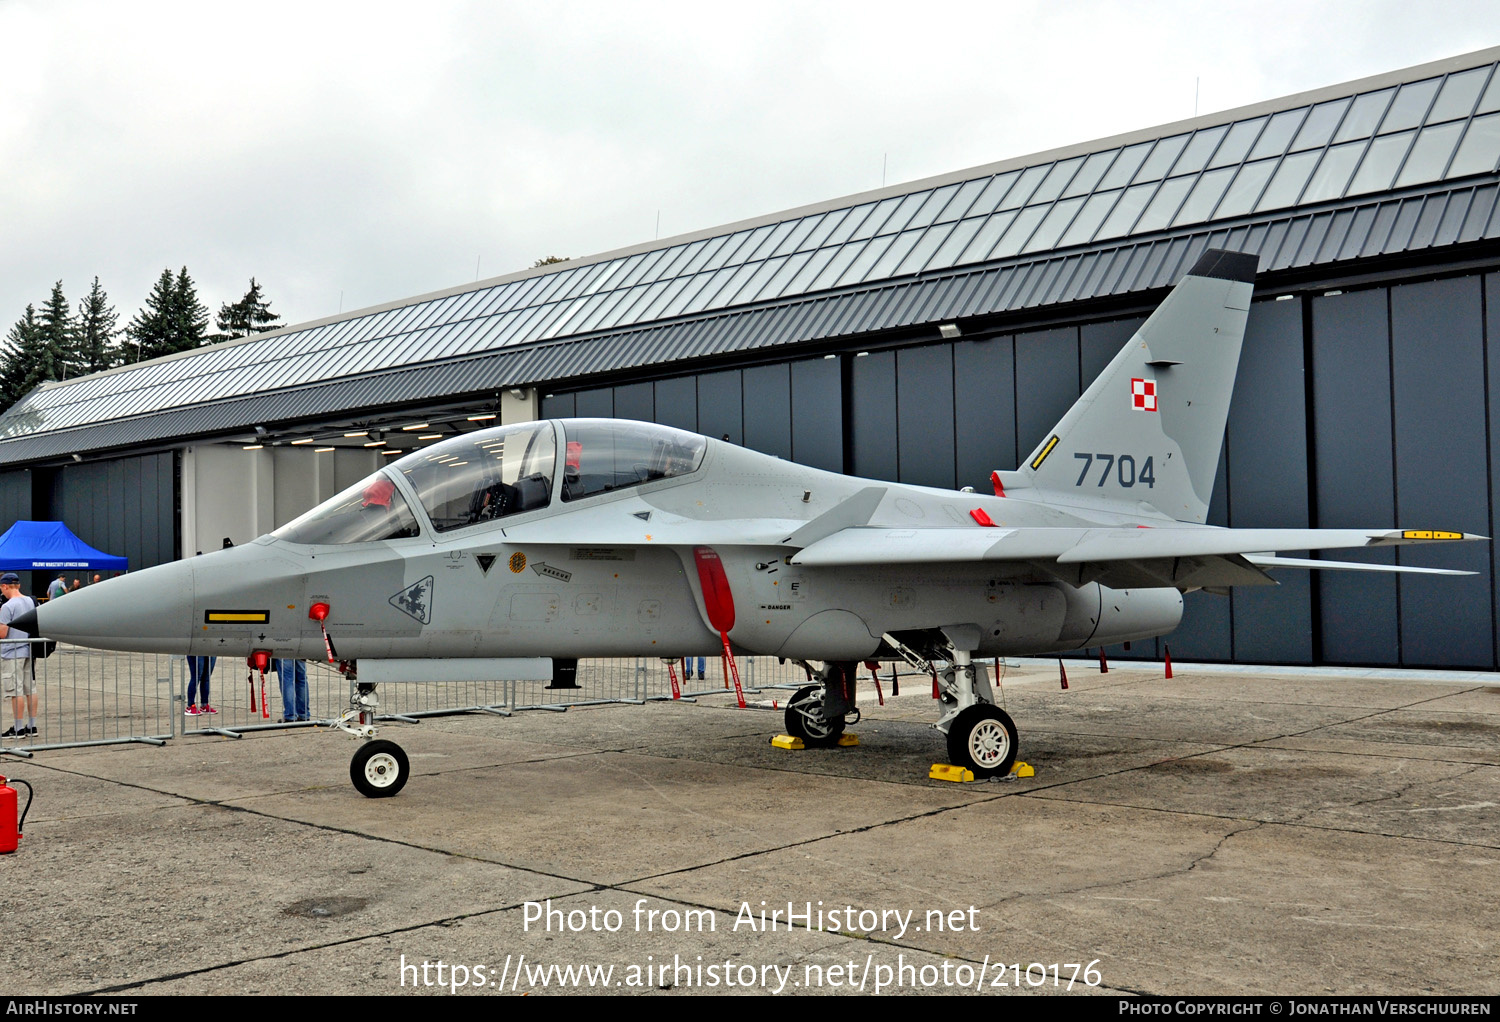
[{"x": 1220, "y": 833}]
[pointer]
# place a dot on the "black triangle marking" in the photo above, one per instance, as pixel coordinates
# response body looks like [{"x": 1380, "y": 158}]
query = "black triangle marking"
[
  {"x": 644, "y": 516},
  {"x": 485, "y": 562}
]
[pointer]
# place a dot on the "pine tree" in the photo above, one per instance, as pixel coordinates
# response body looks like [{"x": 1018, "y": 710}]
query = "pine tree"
[
  {"x": 58, "y": 357},
  {"x": 150, "y": 330},
  {"x": 23, "y": 346},
  {"x": 171, "y": 320},
  {"x": 97, "y": 330},
  {"x": 191, "y": 314},
  {"x": 250, "y": 315}
]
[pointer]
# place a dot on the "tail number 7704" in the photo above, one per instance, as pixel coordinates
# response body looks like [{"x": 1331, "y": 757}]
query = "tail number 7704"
[{"x": 1122, "y": 465}]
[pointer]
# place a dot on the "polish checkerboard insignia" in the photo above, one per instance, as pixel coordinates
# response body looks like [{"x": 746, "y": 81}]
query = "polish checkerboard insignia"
[{"x": 1143, "y": 395}]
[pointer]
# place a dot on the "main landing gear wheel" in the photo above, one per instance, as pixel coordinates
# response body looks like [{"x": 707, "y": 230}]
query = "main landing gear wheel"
[
  {"x": 983, "y": 738},
  {"x": 804, "y": 719},
  {"x": 379, "y": 769}
]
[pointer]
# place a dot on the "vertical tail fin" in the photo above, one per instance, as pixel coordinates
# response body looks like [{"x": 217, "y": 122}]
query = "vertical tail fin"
[{"x": 1149, "y": 429}]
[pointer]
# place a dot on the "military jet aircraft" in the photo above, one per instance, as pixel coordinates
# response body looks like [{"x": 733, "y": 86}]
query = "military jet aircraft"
[{"x": 487, "y": 554}]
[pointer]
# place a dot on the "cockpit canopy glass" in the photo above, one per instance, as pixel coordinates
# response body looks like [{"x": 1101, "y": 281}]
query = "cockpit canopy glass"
[
  {"x": 370, "y": 510},
  {"x": 484, "y": 476},
  {"x": 609, "y": 454}
]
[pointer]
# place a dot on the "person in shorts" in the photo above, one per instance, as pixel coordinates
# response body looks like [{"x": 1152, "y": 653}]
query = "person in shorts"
[{"x": 15, "y": 669}]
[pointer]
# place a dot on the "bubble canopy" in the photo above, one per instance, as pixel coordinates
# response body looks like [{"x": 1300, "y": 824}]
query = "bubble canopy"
[{"x": 495, "y": 473}]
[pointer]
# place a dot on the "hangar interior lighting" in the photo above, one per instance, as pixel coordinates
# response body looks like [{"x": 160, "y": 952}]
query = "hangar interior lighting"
[
  {"x": 323, "y": 450},
  {"x": 482, "y": 418}
]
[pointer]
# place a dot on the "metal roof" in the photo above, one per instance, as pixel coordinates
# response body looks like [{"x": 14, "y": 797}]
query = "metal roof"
[{"x": 1400, "y": 163}]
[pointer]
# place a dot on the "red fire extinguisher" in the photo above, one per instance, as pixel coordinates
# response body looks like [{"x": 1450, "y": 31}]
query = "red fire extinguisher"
[{"x": 10, "y": 826}]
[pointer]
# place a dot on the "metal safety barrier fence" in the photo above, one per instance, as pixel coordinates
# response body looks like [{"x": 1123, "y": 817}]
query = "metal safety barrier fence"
[{"x": 82, "y": 697}]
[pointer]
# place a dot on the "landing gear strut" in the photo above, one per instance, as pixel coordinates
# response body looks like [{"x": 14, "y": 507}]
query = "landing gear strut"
[
  {"x": 379, "y": 768},
  {"x": 981, "y": 736},
  {"x": 818, "y": 713}
]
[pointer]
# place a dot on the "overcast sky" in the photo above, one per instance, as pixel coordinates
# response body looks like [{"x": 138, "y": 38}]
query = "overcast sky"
[{"x": 347, "y": 154}]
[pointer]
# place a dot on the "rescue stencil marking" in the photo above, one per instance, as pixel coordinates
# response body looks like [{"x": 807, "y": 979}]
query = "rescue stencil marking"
[
  {"x": 236, "y": 617},
  {"x": 543, "y": 568},
  {"x": 517, "y": 563},
  {"x": 1143, "y": 395},
  {"x": 416, "y": 600}
]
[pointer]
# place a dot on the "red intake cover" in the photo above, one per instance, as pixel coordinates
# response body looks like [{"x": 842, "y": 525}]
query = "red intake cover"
[{"x": 717, "y": 598}]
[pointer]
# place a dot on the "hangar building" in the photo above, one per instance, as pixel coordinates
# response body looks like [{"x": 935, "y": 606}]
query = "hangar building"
[{"x": 927, "y": 332}]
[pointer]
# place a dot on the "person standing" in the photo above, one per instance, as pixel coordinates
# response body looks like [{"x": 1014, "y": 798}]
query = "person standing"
[
  {"x": 59, "y": 586},
  {"x": 15, "y": 676},
  {"x": 293, "y": 689},
  {"x": 200, "y": 669}
]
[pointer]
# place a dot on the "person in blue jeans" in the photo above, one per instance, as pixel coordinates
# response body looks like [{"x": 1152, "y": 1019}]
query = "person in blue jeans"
[
  {"x": 200, "y": 669},
  {"x": 687, "y": 668},
  {"x": 293, "y": 689}
]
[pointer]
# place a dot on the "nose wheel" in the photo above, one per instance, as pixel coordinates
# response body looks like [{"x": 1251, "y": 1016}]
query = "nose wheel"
[{"x": 379, "y": 769}]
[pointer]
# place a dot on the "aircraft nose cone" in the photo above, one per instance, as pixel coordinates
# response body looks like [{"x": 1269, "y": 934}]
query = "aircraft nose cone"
[
  {"x": 26, "y": 623},
  {"x": 148, "y": 612}
]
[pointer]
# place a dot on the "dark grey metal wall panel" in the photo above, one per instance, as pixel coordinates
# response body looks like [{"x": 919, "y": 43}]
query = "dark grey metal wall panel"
[
  {"x": 596, "y": 404},
  {"x": 635, "y": 401},
  {"x": 818, "y": 413},
  {"x": 559, "y": 406},
  {"x": 1492, "y": 369},
  {"x": 872, "y": 413},
  {"x": 984, "y": 409},
  {"x": 1437, "y": 368},
  {"x": 1046, "y": 383},
  {"x": 768, "y": 410},
  {"x": 676, "y": 402},
  {"x": 126, "y": 506},
  {"x": 1207, "y": 629},
  {"x": 15, "y": 498},
  {"x": 719, "y": 400},
  {"x": 924, "y": 415},
  {"x": 1267, "y": 441},
  {"x": 1098, "y": 343},
  {"x": 1354, "y": 478}
]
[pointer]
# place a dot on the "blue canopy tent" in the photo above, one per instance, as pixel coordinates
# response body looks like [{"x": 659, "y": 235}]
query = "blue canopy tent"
[{"x": 40, "y": 546}]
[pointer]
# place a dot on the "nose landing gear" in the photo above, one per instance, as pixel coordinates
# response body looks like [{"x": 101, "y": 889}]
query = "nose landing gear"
[{"x": 379, "y": 768}]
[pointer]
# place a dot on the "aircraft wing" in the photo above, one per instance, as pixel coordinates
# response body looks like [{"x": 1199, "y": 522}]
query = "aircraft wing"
[
  {"x": 1122, "y": 557},
  {"x": 1078, "y": 546}
]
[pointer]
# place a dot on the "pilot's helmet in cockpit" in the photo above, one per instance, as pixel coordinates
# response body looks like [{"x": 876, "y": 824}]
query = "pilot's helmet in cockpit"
[{"x": 378, "y": 493}]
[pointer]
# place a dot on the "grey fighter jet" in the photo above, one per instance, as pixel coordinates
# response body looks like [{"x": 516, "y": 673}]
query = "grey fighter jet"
[{"x": 485, "y": 555}]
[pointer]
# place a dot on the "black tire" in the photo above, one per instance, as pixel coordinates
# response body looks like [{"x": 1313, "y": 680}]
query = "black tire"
[
  {"x": 379, "y": 769},
  {"x": 805, "y": 721},
  {"x": 983, "y": 739}
]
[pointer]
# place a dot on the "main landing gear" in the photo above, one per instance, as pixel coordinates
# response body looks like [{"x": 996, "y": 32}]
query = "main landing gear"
[
  {"x": 981, "y": 736},
  {"x": 818, "y": 713},
  {"x": 379, "y": 768}
]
